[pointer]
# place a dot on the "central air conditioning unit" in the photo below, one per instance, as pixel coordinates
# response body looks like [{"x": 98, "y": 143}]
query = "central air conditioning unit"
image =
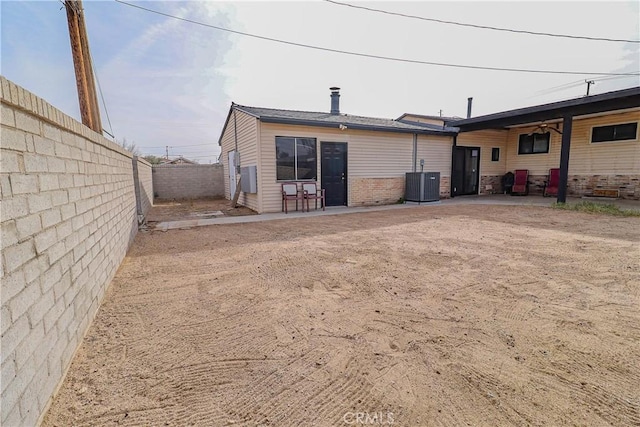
[{"x": 422, "y": 187}]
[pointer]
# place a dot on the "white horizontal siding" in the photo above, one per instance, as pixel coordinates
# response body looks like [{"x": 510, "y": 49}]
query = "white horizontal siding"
[
  {"x": 247, "y": 146},
  {"x": 436, "y": 152},
  {"x": 370, "y": 155},
  {"x": 585, "y": 158},
  {"x": 603, "y": 158},
  {"x": 487, "y": 140}
]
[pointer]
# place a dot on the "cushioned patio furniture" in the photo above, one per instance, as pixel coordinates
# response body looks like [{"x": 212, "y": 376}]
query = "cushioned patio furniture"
[
  {"x": 520, "y": 182},
  {"x": 290, "y": 192},
  {"x": 310, "y": 191},
  {"x": 551, "y": 185}
]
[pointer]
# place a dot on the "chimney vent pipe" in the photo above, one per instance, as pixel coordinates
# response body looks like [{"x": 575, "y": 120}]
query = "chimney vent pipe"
[
  {"x": 335, "y": 100},
  {"x": 469, "y": 102}
]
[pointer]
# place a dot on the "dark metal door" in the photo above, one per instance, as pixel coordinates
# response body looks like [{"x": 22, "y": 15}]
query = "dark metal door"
[
  {"x": 334, "y": 172},
  {"x": 465, "y": 171}
]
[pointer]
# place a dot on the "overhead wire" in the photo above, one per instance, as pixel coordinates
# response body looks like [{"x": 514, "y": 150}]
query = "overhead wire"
[
  {"x": 366, "y": 55},
  {"x": 484, "y": 27},
  {"x": 573, "y": 84},
  {"x": 164, "y": 146}
]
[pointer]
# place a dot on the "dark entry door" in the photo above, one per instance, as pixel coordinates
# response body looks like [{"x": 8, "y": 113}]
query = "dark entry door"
[
  {"x": 465, "y": 171},
  {"x": 334, "y": 172}
]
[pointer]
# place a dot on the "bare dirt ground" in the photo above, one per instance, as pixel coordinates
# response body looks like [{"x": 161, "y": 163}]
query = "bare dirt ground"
[
  {"x": 425, "y": 316},
  {"x": 174, "y": 210}
]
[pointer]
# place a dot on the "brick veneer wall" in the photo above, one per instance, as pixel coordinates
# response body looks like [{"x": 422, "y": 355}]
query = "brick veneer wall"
[
  {"x": 375, "y": 191},
  {"x": 68, "y": 216},
  {"x": 188, "y": 181},
  {"x": 445, "y": 187},
  {"x": 495, "y": 181},
  {"x": 578, "y": 185},
  {"x": 628, "y": 185},
  {"x": 385, "y": 191}
]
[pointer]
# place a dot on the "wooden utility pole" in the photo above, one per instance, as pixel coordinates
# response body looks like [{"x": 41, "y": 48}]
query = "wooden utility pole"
[{"x": 87, "y": 96}]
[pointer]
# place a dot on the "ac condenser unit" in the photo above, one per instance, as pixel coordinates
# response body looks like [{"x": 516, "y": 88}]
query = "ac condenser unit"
[{"x": 422, "y": 187}]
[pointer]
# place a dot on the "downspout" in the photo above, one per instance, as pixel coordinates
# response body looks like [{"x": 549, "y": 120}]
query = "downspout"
[
  {"x": 415, "y": 152},
  {"x": 453, "y": 148}
]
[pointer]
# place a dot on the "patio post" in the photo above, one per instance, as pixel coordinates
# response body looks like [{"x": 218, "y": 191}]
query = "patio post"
[{"x": 567, "y": 124}]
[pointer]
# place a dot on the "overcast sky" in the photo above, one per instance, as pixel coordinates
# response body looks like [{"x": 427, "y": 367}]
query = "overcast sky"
[{"x": 169, "y": 82}]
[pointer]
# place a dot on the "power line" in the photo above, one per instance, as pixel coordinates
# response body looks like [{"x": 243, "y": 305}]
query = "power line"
[
  {"x": 571, "y": 85},
  {"x": 178, "y": 146},
  {"x": 104, "y": 104},
  {"x": 366, "y": 55},
  {"x": 484, "y": 27}
]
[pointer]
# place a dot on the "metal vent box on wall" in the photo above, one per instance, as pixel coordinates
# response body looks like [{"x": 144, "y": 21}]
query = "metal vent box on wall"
[
  {"x": 422, "y": 187},
  {"x": 249, "y": 179}
]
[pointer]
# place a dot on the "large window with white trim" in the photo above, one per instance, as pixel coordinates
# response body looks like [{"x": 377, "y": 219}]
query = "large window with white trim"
[
  {"x": 621, "y": 132},
  {"x": 296, "y": 158}
]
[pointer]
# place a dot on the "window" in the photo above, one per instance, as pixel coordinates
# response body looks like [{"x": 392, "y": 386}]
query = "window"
[
  {"x": 295, "y": 158},
  {"x": 623, "y": 132},
  {"x": 495, "y": 154},
  {"x": 535, "y": 143}
]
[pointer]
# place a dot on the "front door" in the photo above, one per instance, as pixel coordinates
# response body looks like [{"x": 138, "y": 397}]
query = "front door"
[
  {"x": 334, "y": 172},
  {"x": 465, "y": 171}
]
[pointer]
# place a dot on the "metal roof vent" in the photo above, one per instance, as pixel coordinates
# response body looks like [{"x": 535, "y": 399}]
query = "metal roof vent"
[{"x": 335, "y": 100}]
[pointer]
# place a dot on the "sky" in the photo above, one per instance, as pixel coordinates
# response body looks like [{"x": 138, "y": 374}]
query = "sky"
[{"x": 170, "y": 83}]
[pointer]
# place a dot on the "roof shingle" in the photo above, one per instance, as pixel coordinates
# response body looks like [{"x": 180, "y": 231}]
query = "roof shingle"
[{"x": 310, "y": 118}]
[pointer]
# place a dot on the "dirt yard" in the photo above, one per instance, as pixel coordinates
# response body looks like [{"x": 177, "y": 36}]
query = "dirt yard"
[
  {"x": 174, "y": 210},
  {"x": 425, "y": 316}
]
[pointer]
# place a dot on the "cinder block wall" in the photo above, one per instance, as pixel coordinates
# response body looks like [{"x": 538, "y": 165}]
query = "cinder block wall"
[
  {"x": 68, "y": 215},
  {"x": 145, "y": 182},
  {"x": 188, "y": 181}
]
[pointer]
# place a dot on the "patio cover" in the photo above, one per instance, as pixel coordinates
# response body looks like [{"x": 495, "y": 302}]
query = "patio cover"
[{"x": 566, "y": 110}]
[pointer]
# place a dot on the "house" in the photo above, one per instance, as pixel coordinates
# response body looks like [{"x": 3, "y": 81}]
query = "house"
[
  {"x": 358, "y": 160},
  {"x": 180, "y": 160},
  {"x": 593, "y": 140},
  {"x": 363, "y": 160}
]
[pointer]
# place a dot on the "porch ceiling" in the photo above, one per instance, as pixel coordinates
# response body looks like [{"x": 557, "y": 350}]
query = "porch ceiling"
[{"x": 610, "y": 101}]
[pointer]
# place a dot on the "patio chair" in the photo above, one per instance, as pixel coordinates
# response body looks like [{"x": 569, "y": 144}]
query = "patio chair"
[
  {"x": 520, "y": 183},
  {"x": 551, "y": 185},
  {"x": 310, "y": 191},
  {"x": 290, "y": 192}
]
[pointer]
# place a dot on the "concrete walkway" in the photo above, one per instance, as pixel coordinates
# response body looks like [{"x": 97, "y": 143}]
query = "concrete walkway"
[{"x": 496, "y": 199}]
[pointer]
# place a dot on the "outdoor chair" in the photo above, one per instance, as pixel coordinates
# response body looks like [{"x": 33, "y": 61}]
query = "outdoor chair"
[
  {"x": 290, "y": 192},
  {"x": 551, "y": 185},
  {"x": 310, "y": 191},
  {"x": 520, "y": 182}
]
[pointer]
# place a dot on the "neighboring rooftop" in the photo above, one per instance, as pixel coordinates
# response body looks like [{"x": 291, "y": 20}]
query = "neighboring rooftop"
[
  {"x": 323, "y": 119},
  {"x": 422, "y": 116}
]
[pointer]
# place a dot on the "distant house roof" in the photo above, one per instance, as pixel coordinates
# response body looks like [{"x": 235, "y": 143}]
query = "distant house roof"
[
  {"x": 308, "y": 118},
  {"x": 443, "y": 118},
  {"x": 609, "y": 101},
  {"x": 178, "y": 161}
]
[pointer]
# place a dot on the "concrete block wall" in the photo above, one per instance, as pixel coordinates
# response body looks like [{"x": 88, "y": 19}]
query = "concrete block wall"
[
  {"x": 188, "y": 181},
  {"x": 145, "y": 183},
  {"x": 68, "y": 216},
  {"x": 143, "y": 176}
]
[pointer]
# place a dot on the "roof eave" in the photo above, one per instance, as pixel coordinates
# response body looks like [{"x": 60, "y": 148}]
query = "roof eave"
[
  {"x": 300, "y": 122},
  {"x": 610, "y": 101}
]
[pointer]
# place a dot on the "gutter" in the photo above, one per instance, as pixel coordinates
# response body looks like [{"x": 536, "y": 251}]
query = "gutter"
[{"x": 300, "y": 122}]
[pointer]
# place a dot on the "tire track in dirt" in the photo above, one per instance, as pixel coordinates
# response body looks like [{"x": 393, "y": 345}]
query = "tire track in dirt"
[{"x": 421, "y": 314}]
